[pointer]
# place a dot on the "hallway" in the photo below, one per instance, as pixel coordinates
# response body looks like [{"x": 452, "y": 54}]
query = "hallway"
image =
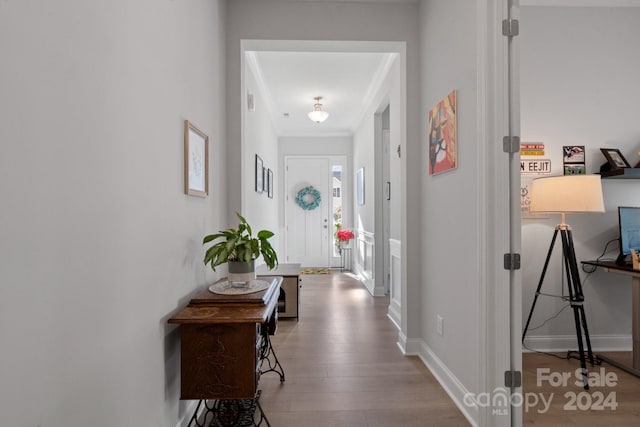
[{"x": 343, "y": 367}]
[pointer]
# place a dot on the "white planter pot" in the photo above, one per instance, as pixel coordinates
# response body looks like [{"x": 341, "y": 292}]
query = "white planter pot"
[{"x": 241, "y": 272}]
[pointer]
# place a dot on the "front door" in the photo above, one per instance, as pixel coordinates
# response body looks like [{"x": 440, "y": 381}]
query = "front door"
[{"x": 307, "y": 221}]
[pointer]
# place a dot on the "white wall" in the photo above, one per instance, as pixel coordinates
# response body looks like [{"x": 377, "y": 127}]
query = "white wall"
[
  {"x": 260, "y": 138},
  {"x": 453, "y": 250},
  {"x": 364, "y": 157},
  {"x": 98, "y": 243},
  {"x": 580, "y": 87},
  {"x": 465, "y": 226}
]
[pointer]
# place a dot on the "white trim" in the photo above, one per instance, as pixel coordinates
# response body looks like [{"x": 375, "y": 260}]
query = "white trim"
[
  {"x": 377, "y": 81},
  {"x": 365, "y": 240},
  {"x": 449, "y": 382},
  {"x": 188, "y": 413},
  {"x": 395, "y": 301},
  {"x": 581, "y": 3},
  {"x": 563, "y": 343}
]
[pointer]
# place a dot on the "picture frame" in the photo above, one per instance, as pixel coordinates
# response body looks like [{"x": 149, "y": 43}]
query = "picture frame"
[
  {"x": 259, "y": 175},
  {"x": 270, "y": 183},
  {"x": 442, "y": 139},
  {"x": 360, "y": 186},
  {"x": 196, "y": 161},
  {"x": 615, "y": 158}
]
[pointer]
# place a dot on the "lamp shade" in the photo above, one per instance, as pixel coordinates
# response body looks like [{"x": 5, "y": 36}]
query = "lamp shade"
[
  {"x": 570, "y": 193},
  {"x": 318, "y": 116}
]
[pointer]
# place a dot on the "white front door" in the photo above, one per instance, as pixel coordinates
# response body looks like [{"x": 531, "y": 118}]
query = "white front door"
[{"x": 307, "y": 227}]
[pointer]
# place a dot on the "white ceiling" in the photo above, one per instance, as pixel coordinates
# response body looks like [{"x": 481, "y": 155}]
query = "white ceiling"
[{"x": 289, "y": 81}]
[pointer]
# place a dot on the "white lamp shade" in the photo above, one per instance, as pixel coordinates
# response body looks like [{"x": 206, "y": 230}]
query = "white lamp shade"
[
  {"x": 318, "y": 116},
  {"x": 570, "y": 193}
]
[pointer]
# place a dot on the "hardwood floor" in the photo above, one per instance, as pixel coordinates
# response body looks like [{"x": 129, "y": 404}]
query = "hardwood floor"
[
  {"x": 343, "y": 367},
  {"x": 570, "y": 404}
]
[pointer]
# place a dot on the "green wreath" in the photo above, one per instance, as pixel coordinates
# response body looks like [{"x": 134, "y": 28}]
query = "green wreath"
[{"x": 308, "y": 198}]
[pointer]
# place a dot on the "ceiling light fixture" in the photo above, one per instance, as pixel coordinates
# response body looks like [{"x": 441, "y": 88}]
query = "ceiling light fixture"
[{"x": 317, "y": 115}]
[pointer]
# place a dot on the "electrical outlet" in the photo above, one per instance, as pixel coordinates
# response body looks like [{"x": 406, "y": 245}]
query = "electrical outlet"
[{"x": 440, "y": 326}]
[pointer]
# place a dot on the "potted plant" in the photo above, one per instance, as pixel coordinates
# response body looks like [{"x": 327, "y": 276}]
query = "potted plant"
[
  {"x": 344, "y": 235},
  {"x": 239, "y": 248}
]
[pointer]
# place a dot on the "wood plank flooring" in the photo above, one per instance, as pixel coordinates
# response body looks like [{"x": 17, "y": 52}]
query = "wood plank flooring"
[
  {"x": 343, "y": 367},
  {"x": 571, "y": 405}
]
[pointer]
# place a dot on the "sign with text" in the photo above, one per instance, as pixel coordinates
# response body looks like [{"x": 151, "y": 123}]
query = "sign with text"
[
  {"x": 535, "y": 166},
  {"x": 532, "y": 149}
]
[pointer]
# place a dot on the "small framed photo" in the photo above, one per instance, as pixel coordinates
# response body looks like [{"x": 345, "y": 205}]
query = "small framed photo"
[
  {"x": 360, "y": 186},
  {"x": 259, "y": 175},
  {"x": 577, "y": 169},
  {"x": 573, "y": 154},
  {"x": 270, "y": 183},
  {"x": 196, "y": 161},
  {"x": 615, "y": 158}
]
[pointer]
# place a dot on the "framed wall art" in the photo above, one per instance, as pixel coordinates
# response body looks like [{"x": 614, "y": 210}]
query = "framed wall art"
[
  {"x": 270, "y": 183},
  {"x": 360, "y": 186},
  {"x": 442, "y": 135},
  {"x": 259, "y": 175},
  {"x": 196, "y": 161}
]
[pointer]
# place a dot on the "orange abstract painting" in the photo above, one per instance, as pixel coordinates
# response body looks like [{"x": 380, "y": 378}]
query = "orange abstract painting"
[{"x": 442, "y": 138}]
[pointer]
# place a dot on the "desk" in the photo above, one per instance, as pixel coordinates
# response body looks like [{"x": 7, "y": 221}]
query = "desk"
[
  {"x": 612, "y": 267},
  {"x": 224, "y": 340}
]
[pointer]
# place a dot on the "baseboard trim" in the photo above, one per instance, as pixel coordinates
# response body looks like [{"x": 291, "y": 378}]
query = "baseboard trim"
[
  {"x": 454, "y": 388},
  {"x": 188, "y": 413},
  {"x": 561, "y": 343},
  {"x": 394, "y": 314}
]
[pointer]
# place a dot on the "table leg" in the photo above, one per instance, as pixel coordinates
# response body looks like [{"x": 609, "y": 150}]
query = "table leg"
[
  {"x": 634, "y": 369},
  {"x": 635, "y": 325}
]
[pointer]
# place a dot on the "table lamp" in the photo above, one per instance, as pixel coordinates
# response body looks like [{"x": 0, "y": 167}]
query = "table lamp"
[{"x": 568, "y": 194}]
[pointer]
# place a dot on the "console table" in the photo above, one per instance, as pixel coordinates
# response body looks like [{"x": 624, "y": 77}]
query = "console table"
[
  {"x": 224, "y": 342},
  {"x": 289, "y": 300},
  {"x": 612, "y": 267}
]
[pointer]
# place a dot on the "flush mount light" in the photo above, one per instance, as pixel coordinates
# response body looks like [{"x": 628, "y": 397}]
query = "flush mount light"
[{"x": 317, "y": 115}]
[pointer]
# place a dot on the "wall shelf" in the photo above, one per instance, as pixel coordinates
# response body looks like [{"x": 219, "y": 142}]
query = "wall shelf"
[{"x": 626, "y": 173}]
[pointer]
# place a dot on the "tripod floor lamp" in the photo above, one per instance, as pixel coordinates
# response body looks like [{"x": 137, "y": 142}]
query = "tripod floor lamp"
[{"x": 568, "y": 194}]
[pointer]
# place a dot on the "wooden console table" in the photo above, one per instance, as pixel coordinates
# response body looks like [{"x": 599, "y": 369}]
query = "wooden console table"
[
  {"x": 224, "y": 343},
  {"x": 612, "y": 267}
]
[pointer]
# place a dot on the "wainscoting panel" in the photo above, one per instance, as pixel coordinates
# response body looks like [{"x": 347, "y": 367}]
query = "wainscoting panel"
[
  {"x": 364, "y": 265},
  {"x": 395, "y": 297}
]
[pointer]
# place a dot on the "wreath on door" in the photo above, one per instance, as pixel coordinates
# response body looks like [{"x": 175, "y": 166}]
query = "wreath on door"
[{"x": 308, "y": 198}]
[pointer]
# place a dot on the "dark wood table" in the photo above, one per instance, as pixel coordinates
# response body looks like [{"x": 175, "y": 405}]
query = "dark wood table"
[
  {"x": 224, "y": 341},
  {"x": 613, "y": 267}
]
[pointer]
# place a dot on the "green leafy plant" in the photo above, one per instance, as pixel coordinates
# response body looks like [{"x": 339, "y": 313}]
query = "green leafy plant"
[{"x": 238, "y": 244}]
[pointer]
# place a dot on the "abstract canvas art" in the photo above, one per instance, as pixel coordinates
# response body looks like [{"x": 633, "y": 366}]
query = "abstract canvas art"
[{"x": 442, "y": 137}]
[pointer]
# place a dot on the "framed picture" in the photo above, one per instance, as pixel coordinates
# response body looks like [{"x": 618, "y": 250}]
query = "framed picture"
[
  {"x": 259, "y": 175},
  {"x": 196, "y": 161},
  {"x": 360, "y": 186},
  {"x": 442, "y": 135},
  {"x": 573, "y": 154},
  {"x": 615, "y": 158},
  {"x": 270, "y": 183}
]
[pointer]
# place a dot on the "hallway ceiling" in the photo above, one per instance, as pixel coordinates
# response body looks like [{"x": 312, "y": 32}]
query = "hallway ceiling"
[{"x": 289, "y": 81}]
